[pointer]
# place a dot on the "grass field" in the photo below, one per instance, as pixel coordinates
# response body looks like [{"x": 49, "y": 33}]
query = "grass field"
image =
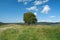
[{"x": 32, "y": 32}]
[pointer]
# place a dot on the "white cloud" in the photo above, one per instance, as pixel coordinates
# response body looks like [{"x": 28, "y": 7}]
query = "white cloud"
[
  {"x": 35, "y": 13},
  {"x": 24, "y": 1},
  {"x": 39, "y": 2},
  {"x": 36, "y": 2},
  {"x": 52, "y": 16},
  {"x": 34, "y": 8},
  {"x": 46, "y": 9},
  {"x": 19, "y": 0},
  {"x": 45, "y": 1}
]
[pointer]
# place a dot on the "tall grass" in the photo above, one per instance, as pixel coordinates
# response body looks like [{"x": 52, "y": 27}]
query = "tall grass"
[{"x": 31, "y": 33}]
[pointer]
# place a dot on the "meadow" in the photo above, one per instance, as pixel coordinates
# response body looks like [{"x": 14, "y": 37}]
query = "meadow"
[{"x": 29, "y": 32}]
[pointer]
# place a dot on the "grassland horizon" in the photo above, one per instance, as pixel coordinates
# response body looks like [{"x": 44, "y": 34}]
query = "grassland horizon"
[{"x": 29, "y": 32}]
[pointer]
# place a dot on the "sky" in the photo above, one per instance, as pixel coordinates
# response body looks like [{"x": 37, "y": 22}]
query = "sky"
[{"x": 45, "y": 10}]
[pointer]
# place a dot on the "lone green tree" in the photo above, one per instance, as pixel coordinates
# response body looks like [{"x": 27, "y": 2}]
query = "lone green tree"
[{"x": 29, "y": 18}]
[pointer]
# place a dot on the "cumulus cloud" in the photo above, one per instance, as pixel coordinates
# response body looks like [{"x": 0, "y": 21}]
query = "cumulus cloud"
[
  {"x": 39, "y": 2},
  {"x": 19, "y": 0},
  {"x": 35, "y": 13},
  {"x": 46, "y": 9},
  {"x": 36, "y": 2},
  {"x": 52, "y": 16},
  {"x": 34, "y": 8},
  {"x": 24, "y": 1},
  {"x": 45, "y": 1}
]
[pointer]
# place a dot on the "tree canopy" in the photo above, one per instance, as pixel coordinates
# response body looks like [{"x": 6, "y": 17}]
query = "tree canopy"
[{"x": 29, "y": 18}]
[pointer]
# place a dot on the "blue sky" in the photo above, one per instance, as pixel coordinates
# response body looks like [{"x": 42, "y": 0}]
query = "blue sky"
[{"x": 45, "y": 10}]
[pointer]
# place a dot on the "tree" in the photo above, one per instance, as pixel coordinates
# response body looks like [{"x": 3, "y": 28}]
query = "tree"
[
  {"x": 1, "y": 23},
  {"x": 29, "y": 18}
]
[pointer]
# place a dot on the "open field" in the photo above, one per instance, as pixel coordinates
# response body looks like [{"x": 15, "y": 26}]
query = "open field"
[{"x": 32, "y": 32}]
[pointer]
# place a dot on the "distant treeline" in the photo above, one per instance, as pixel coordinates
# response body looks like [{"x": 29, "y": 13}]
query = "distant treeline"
[
  {"x": 47, "y": 23},
  {"x": 41, "y": 23},
  {"x": 1, "y": 23},
  {"x": 38, "y": 23}
]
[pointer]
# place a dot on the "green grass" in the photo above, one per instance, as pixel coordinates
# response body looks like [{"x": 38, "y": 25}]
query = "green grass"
[{"x": 39, "y": 32}]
